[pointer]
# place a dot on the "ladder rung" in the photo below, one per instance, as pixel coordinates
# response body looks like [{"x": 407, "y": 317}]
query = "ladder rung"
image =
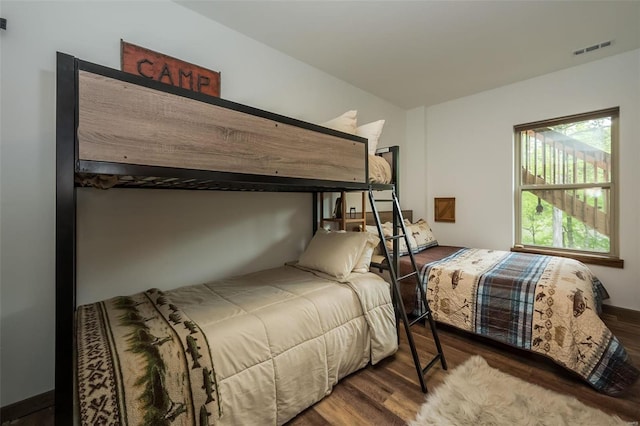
[
  {"x": 384, "y": 200},
  {"x": 394, "y": 237},
  {"x": 416, "y": 320},
  {"x": 420, "y": 317},
  {"x": 380, "y": 266},
  {"x": 407, "y": 276},
  {"x": 433, "y": 361}
]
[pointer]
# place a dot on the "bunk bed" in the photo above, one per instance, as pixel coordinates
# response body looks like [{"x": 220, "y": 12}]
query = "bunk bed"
[
  {"x": 547, "y": 305},
  {"x": 216, "y": 353}
]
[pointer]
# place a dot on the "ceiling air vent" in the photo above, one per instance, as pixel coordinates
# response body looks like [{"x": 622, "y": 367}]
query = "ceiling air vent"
[{"x": 593, "y": 47}]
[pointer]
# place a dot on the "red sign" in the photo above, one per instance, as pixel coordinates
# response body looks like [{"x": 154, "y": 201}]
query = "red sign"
[{"x": 157, "y": 66}]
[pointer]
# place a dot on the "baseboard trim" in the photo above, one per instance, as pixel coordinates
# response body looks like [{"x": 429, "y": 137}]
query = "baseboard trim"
[
  {"x": 623, "y": 314},
  {"x": 27, "y": 406}
]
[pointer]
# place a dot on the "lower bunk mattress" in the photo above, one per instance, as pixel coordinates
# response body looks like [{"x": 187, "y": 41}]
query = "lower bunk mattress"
[
  {"x": 544, "y": 304},
  {"x": 254, "y": 349}
]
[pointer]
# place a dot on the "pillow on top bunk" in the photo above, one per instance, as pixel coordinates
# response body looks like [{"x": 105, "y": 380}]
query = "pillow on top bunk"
[
  {"x": 372, "y": 132},
  {"x": 334, "y": 253},
  {"x": 346, "y": 123}
]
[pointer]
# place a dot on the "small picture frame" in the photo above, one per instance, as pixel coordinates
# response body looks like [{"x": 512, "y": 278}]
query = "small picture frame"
[{"x": 444, "y": 209}]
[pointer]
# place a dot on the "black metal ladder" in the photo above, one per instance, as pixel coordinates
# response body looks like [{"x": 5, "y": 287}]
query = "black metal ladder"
[{"x": 393, "y": 267}]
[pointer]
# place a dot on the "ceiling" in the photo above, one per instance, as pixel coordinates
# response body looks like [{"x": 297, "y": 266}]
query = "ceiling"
[{"x": 414, "y": 53}]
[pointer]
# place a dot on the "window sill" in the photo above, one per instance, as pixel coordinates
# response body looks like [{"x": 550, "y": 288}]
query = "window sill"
[{"x": 593, "y": 259}]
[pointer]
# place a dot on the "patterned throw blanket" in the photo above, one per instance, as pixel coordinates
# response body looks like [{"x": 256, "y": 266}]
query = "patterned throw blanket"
[
  {"x": 146, "y": 345},
  {"x": 545, "y": 304}
]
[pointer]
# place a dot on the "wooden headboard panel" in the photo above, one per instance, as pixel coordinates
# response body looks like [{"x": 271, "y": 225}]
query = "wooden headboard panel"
[
  {"x": 122, "y": 120},
  {"x": 386, "y": 216}
]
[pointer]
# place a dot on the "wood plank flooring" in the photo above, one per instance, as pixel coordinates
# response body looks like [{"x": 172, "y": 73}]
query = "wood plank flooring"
[{"x": 389, "y": 393}]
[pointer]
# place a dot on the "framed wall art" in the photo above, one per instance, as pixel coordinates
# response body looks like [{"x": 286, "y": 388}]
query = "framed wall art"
[{"x": 444, "y": 209}]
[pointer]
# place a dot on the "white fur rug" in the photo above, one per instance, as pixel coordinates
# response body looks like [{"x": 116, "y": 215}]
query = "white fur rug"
[{"x": 476, "y": 394}]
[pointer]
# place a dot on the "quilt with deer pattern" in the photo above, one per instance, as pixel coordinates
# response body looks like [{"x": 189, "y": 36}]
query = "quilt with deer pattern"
[
  {"x": 545, "y": 304},
  {"x": 141, "y": 360}
]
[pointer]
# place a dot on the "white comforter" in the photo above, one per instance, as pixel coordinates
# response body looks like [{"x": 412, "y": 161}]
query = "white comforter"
[{"x": 281, "y": 339}]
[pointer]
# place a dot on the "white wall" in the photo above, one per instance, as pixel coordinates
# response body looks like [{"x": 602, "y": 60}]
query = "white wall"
[
  {"x": 470, "y": 157},
  {"x": 413, "y": 156},
  {"x": 133, "y": 239}
]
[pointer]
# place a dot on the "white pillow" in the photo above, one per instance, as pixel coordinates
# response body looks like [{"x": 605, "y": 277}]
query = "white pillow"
[
  {"x": 334, "y": 253},
  {"x": 362, "y": 265},
  {"x": 371, "y": 131},
  {"x": 346, "y": 123}
]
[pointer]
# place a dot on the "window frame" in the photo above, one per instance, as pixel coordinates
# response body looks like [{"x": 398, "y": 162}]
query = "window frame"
[{"x": 610, "y": 258}]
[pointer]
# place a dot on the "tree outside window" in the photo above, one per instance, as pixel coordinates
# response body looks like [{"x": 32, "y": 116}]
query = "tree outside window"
[{"x": 565, "y": 183}]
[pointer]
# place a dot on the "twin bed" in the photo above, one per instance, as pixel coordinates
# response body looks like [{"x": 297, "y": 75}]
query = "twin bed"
[
  {"x": 548, "y": 305},
  {"x": 254, "y": 349},
  {"x": 259, "y": 348}
]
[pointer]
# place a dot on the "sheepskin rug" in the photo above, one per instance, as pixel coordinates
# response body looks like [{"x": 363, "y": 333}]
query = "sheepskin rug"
[{"x": 476, "y": 394}]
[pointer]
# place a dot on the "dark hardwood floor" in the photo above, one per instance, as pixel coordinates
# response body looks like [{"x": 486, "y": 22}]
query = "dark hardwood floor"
[
  {"x": 39, "y": 418},
  {"x": 389, "y": 393}
]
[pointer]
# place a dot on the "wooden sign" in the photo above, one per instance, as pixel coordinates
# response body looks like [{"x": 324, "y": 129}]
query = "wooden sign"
[
  {"x": 157, "y": 66},
  {"x": 445, "y": 209}
]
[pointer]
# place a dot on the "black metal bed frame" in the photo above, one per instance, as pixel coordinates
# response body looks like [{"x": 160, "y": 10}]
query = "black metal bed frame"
[{"x": 69, "y": 166}]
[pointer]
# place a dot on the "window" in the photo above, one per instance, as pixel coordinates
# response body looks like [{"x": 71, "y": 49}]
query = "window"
[{"x": 565, "y": 185}]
